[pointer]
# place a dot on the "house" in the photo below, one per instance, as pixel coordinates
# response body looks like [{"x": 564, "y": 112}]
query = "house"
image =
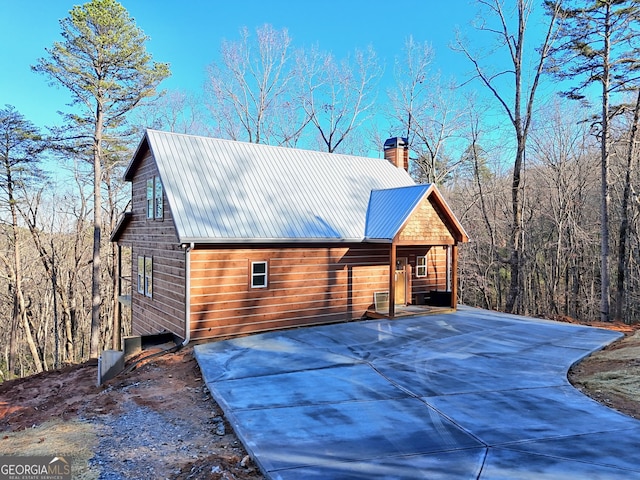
[{"x": 229, "y": 238}]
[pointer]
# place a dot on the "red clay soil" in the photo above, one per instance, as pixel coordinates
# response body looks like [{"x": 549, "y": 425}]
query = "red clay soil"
[{"x": 161, "y": 410}]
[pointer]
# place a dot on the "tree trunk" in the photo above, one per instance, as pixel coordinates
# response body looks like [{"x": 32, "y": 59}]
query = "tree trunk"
[
  {"x": 97, "y": 225},
  {"x": 516, "y": 218},
  {"x": 624, "y": 220},
  {"x": 604, "y": 173},
  {"x": 521, "y": 138},
  {"x": 19, "y": 305},
  {"x": 56, "y": 317},
  {"x": 13, "y": 344},
  {"x": 20, "y": 309}
]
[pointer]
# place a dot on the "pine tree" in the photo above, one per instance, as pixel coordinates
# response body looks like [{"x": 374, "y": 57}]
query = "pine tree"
[
  {"x": 103, "y": 62},
  {"x": 599, "y": 47}
]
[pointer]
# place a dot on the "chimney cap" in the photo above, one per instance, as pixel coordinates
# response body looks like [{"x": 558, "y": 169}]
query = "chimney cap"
[{"x": 396, "y": 142}]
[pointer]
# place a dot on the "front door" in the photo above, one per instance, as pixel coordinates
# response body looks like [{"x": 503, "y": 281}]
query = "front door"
[{"x": 401, "y": 281}]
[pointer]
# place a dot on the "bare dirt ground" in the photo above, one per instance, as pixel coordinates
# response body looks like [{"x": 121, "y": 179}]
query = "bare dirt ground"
[{"x": 159, "y": 421}]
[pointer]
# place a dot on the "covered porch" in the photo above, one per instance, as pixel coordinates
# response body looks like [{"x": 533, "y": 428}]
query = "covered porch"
[
  {"x": 422, "y": 237},
  {"x": 422, "y": 280}
]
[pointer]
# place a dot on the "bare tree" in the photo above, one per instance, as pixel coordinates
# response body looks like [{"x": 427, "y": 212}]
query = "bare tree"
[
  {"x": 426, "y": 111},
  {"x": 175, "y": 111},
  {"x": 19, "y": 149},
  {"x": 338, "y": 96},
  {"x": 479, "y": 192},
  {"x": 623, "y": 233},
  {"x": 517, "y": 101},
  {"x": 251, "y": 86},
  {"x": 563, "y": 159}
]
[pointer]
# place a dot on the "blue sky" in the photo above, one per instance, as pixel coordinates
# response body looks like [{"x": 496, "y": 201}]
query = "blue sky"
[{"x": 187, "y": 34}]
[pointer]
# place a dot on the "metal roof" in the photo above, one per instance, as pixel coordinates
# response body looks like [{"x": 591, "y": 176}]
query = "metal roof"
[
  {"x": 389, "y": 209},
  {"x": 228, "y": 191}
]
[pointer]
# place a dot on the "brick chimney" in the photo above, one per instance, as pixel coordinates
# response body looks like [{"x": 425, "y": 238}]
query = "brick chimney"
[{"x": 396, "y": 150}]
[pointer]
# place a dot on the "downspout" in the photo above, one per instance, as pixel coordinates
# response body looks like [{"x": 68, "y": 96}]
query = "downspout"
[{"x": 187, "y": 296}]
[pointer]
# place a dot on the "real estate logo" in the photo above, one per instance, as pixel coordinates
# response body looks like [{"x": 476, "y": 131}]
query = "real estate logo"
[{"x": 34, "y": 468}]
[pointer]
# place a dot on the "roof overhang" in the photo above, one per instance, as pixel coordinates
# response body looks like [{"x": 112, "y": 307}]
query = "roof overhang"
[
  {"x": 121, "y": 226},
  {"x": 137, "y": 158},
  {"x": 258, "y": 241}
]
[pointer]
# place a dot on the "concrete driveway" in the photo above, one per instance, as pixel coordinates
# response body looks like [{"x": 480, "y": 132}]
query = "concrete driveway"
[{"x": 471, "y": 394}]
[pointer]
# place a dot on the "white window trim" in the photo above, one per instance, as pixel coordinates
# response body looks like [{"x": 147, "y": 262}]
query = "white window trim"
[
  {"x": 158, "y": 200},
  {"x": 423, "y": 267},
  {"x": 141, "y": 275},
  {"x": 155, "y": 199},
  {"x": 255, "y": 275},
  {"x": 148, "y": 279},
  {"x": 150, "y": 195}
]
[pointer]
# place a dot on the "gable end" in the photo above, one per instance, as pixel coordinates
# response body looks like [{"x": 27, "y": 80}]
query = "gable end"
[{"x": 141, "y": 152}]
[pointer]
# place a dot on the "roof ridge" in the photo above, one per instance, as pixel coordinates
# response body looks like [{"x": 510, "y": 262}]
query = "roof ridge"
[{"x": 259, "y": 145}]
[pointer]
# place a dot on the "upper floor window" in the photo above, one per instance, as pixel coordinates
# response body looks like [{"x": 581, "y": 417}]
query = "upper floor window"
[
  {"x": 258, "y": 274},
  {"x": 150, "y": 198},
  {"x": 159, "y": 207},
  {"x": 155, "y": 206},
  {"x": 421, "y": 266}
]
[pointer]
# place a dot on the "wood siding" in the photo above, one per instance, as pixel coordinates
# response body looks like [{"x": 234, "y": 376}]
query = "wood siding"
[
  {"x": 157, "y": 239},
  {"x": 306, "y": 285},
  {"x": 427, "y": 226},
  {"x": 436, "y": 279}
]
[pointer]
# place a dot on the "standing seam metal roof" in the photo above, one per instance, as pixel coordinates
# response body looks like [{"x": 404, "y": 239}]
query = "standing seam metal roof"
[
  {"x": 223, "y": 190},
  {"x": 389, "y": 209}
]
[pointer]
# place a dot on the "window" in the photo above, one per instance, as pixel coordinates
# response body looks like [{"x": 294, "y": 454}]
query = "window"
[
  {"x": 145, "y": 276},
  {"x": 421, "y": 266},
  {"x": 141, "y": 275},
  {"x": 159, "y": 208},
  {"x": 155, "y": 205},
  {"x": 150, "y": 198},
  {"x": 148, "y": 277},
  {"x": 258, "y": 274}
]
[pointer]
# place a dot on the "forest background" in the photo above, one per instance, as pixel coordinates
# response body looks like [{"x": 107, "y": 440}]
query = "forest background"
[{"x": 533, "y": 144}]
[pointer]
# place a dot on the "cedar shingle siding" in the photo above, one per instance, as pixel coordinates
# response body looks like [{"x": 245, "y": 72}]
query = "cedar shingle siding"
[{"x": 426, "y": 225}]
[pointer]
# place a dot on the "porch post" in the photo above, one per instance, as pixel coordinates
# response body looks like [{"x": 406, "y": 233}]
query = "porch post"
[
  {"x": 392, "y": 281},
  {"x": 454, "y": 276}
]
